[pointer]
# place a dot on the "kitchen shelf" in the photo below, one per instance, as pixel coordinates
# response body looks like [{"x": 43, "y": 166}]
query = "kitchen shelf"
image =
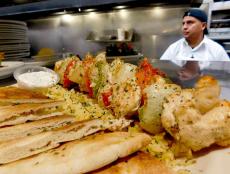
[
  {"x": 109, "y": 36},
  {"x": 224, "y": 5},
  {"x": 220, "y": 20},
  {"x": 219, "y": 37}
]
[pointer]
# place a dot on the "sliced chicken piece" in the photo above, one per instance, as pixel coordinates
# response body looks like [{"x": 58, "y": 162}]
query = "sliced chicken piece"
[
  {"x": 121, "y": 72},
  {"x": 122, "y": 99},
  {"x": 212, "y": 127},
  {"x": 126, "y": 98},
  {"x": 168, "y": 117},
  {"x": 206, "y": 94},
  {"x": 196, "y": 117}
]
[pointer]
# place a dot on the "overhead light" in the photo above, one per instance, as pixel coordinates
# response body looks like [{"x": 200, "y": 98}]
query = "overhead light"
[
  {"x": 90, "y": 10},
  {"x": 120, "y": 7},
  {"x": 92, "y": 15},
  {"x": 123, "y": 13},
  {"x": 67, "y": 18},
  {"x": 157, "y": 11}
]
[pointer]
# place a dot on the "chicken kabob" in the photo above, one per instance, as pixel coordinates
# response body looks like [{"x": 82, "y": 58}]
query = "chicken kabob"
[{"x": 118, "y": 86}]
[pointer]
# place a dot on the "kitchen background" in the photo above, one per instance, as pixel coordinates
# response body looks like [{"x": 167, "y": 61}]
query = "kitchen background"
[
  {"x": 154, "y": 29},
  {"x": 154, "y": 25},
  {"x": 79, "y": 29}
]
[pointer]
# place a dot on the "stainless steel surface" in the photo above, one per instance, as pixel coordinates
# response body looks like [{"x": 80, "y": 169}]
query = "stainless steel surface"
[
  {"x": 220, "y": 70},
  {"x": 154, "y": 30},
  {"x": 219, "y": 22}
]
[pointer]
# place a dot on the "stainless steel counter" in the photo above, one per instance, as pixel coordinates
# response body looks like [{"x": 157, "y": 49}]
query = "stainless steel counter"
[{"x": 220, "y": 70}]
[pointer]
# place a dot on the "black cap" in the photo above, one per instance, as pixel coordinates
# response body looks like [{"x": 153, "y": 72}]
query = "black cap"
[{"x": 199, "y": 14}]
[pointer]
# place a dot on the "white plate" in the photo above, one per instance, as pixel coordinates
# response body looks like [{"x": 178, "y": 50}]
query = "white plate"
[
  {"x": 15, "y": 46},
  {"x": 16, "y": 58},
  {"x": 8, "y": 68},
  {"x": 11, "y": 30},
  {"x": 5, "y": 42},
  {"x": 12, "y": 37},
  {"x": 27, "y": 53},
  {"x": 12, "y": 22},
  {"x": 15, "y": 51},
  {"x": 213, "y": 162},
  {"x": 14, "y": 26},
  {"x": 48, "y": 61}
]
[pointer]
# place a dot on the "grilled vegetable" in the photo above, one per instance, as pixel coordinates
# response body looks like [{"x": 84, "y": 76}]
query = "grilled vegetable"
[{"x": 150, "y": 112}]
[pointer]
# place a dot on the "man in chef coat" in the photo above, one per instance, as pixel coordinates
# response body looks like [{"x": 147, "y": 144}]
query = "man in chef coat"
[{"x": 195, "y": 46}]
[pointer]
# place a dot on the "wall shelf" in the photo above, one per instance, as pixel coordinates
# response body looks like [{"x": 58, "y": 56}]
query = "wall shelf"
[{"x": 109, "y": 36}]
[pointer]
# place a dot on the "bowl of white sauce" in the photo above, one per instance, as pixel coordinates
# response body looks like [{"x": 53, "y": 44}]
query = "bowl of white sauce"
[{"x": 31, "y": 77}]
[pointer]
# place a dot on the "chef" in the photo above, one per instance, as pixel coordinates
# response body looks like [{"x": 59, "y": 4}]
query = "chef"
[{"x": 194, "y": 47}]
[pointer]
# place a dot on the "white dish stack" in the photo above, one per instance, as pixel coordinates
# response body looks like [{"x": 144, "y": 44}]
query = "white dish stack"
[{"x": 14, "y": 40}]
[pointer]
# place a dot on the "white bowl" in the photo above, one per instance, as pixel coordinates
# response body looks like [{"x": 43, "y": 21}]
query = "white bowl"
[{"x": 31, "y": 77}]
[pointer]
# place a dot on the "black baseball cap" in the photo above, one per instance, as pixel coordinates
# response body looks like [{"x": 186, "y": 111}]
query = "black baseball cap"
[{"x": 198, "y": 14}]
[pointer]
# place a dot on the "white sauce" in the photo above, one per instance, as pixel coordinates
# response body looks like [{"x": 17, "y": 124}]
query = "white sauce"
[{"x": 38, "y": 79}]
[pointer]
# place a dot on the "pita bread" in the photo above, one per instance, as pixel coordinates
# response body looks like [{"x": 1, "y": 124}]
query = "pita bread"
[
  {"x": 31, "y": 145},
  {"x": 141, "y": 163},
  {"x": 12, "y": 94},
  {"x": 15, "y": 114},
  {"x": 80, "y": 156},
  {"x": 36, "y": 127}
]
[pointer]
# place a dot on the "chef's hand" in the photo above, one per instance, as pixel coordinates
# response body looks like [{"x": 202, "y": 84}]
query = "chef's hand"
[{"x": 189, "y": 71}]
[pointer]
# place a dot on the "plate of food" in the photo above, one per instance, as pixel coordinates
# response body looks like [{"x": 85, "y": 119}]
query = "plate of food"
[
  {"x": 7, "y": 68},
  {"x": 195, "y": 119},
  {"x": 86, "y": 130}
]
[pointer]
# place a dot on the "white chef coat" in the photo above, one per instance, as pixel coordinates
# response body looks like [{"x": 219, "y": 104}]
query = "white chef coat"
[{"x": 208, "y": 50}]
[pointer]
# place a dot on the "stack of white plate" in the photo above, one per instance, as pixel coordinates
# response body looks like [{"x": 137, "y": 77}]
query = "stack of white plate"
[{"x": 14, "y": 39}]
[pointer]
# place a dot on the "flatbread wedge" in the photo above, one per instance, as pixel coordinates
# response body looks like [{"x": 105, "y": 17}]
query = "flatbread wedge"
[
  {"x": 13, "y": 94},
  {"x": 21, "y": 113},
  {"x": 35, "y": 127},
  {"x": 24, "y": 147},
  {"x": 80, "y": 156},
  {"x": 141, "y": 163}
]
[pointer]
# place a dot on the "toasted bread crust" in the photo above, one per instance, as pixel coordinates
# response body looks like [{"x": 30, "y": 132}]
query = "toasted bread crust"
[
  {"x": 30, "y": 145},
  {"x": 80, "y": 156},
  {"x": 35, "y": 127},
  {"x": 11, "y": 92},
  {"x": 7, "y": 112},
  {"x": 141, "y": 163}
]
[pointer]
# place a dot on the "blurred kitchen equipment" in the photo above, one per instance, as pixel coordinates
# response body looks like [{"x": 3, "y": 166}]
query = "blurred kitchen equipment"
[{"x": 120, "y": 34}]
